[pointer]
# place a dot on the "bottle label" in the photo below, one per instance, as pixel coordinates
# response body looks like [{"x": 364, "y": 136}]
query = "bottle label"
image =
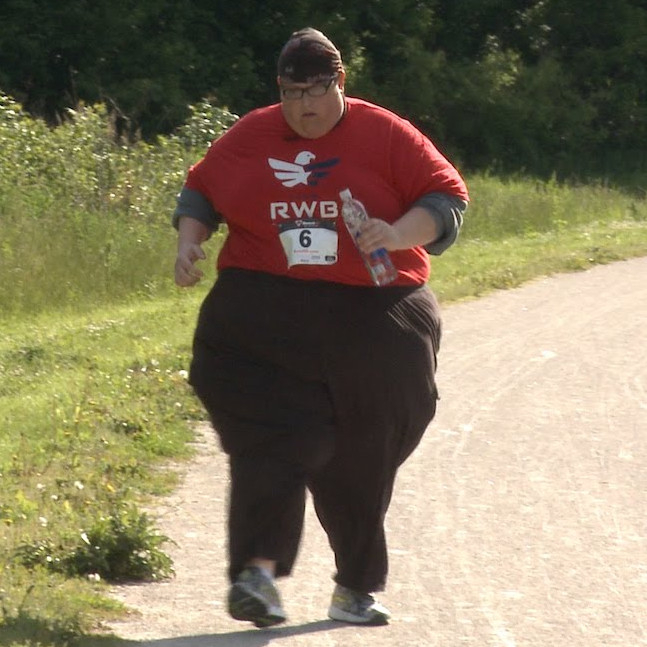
[{"x": 309, "y": 242}]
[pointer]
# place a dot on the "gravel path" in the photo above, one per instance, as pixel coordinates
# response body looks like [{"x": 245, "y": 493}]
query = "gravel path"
[{"x": 521, "y": 521}]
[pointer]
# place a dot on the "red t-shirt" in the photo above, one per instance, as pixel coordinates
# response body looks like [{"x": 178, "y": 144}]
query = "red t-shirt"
[{"x": 279, "y": 192}]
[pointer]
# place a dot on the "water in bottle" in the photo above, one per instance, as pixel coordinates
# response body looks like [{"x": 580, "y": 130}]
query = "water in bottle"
[{"x": 379, "y": 262}]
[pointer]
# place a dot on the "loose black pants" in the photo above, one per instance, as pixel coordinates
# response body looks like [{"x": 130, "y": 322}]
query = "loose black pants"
[{"x": 320, "y": 386}]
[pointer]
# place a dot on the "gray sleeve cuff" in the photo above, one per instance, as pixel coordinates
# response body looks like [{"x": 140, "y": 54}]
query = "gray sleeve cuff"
[
  {"x": 193, "y": 204},
  {"x": 447, "y": 210}
]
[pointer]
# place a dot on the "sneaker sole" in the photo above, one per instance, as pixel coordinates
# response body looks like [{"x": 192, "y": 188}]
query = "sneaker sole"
[
  {"x": 243, "y": 605},
  {"x": 378, "y": 620}
]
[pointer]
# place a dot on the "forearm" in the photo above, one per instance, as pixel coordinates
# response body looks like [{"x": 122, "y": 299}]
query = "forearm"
[
  {"x": 433, "y": 223},
  {"x": 416, "y": 227},
  {"x": 191, "y": 231}
]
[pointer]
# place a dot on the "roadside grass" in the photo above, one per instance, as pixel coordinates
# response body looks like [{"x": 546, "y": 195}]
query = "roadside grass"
[
  {"x": 517, "y": 229},
  {"x": 95, "y": 345},
  {"x": 474, "y": 268},
  {"x": 93, "y": 409}
]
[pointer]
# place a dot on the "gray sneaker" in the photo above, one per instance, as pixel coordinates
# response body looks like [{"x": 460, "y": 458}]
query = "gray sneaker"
[
  {"x": 254, "y": 597},
  {"x": 357, "y": 608}
]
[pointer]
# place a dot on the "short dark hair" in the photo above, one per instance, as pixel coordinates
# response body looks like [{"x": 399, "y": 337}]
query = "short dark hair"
[{"x": 309, "y": 54}]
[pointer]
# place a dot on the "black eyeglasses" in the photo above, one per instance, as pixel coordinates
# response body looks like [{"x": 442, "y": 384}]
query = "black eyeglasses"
[{"x": 316, "y": 90}]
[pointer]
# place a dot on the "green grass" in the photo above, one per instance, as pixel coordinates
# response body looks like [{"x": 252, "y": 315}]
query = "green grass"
[
  {"x": 477, "y": 267},
  {"x": 95, "y": 345},
  {"x": 92, "y": 407}
]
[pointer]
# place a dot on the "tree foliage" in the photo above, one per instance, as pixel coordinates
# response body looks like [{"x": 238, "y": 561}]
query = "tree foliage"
[{"x": 540, "y": 85}]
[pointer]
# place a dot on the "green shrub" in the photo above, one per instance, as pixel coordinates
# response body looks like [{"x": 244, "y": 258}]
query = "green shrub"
[
  {"x": 205, "y": 123},
  {"x": 122, "y": 545}
]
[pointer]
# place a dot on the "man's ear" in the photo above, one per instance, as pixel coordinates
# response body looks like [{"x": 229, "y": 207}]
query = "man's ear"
[{"x": 341, "y": 80}]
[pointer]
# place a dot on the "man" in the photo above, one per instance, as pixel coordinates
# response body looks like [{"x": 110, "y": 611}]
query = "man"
[{"x": 314, "y": 377}]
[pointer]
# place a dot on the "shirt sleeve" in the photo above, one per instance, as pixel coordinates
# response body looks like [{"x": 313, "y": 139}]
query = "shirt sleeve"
[
  {"x": 417, "y": 167},
  {"x": 193, "y": 204},
  {"x": 447, "y": 210},
  {"x": 424, "y": 177}
]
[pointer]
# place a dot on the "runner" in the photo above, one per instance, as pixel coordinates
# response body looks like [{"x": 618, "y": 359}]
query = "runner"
[{"x": 314, "y": 377}]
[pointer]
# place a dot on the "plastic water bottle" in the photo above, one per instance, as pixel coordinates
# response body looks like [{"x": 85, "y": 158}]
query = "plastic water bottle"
[{"x": 378, "y": 263}]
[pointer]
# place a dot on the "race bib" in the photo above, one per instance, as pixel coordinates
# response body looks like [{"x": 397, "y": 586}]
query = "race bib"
[{"x": 309, "y": 242}]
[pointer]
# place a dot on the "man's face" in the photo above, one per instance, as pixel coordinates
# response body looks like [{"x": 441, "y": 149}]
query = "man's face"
[{"x": 313, "y": 108}]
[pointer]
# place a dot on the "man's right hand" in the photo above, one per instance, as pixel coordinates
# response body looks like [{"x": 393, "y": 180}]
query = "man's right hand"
[
  {"x": 186, "y": 273},
  {"x": 191, "y": 234}
]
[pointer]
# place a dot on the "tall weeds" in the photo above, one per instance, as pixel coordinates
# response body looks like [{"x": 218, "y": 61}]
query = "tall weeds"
[{"x": 84, "y": 217}]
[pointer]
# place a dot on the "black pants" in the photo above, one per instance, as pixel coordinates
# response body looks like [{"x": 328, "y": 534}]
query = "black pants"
[{"x": 320, "y": 386}]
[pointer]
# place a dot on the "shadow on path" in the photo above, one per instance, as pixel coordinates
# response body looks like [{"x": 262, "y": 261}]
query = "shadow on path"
[{"x": 245, "y": 638}]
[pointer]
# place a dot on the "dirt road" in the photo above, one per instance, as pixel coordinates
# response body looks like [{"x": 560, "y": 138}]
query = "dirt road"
[{"x": 521, "y": 521}]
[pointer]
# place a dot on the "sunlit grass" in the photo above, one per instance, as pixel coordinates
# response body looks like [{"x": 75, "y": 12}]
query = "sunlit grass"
[
  {"x": 91, "y": 407},
  {"x": 475, "y": 267}
]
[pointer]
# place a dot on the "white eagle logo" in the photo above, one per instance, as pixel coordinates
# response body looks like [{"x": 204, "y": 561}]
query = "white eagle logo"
[{"x": 302, "y": 171}]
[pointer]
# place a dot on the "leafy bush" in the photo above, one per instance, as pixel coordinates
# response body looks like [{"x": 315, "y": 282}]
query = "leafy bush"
[
  {"x": 84, "y": 216},
  {"x": 205, "y": 123},
  {"x": 122, "y": 545}
]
